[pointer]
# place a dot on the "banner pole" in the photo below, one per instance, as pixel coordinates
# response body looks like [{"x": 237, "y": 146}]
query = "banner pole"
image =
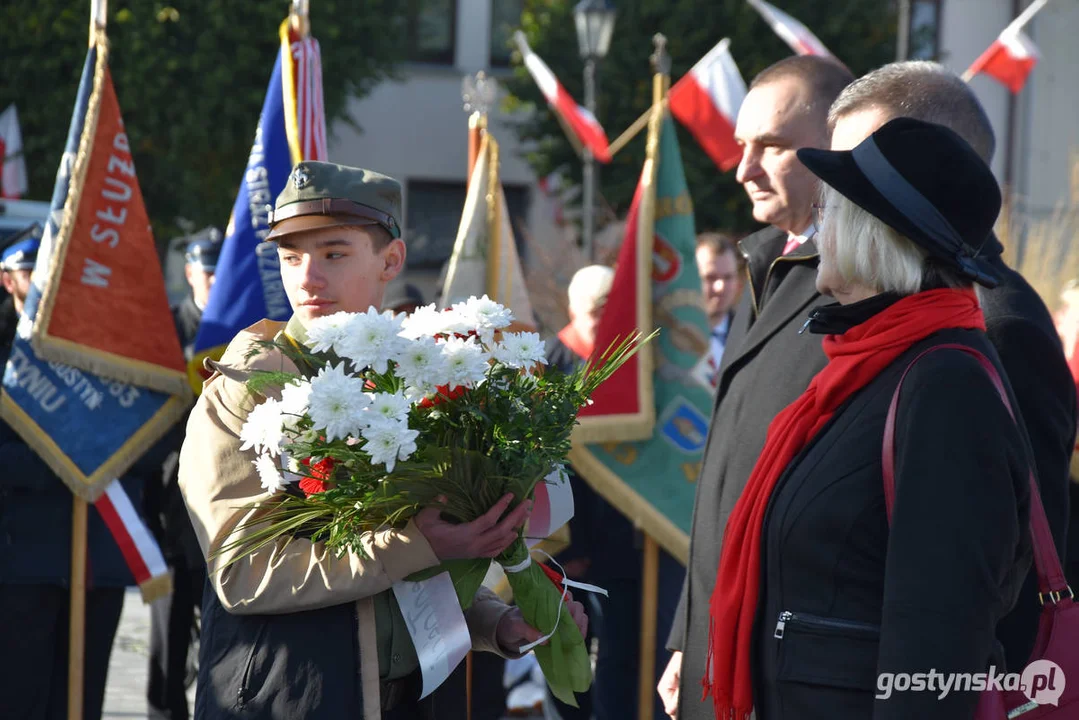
[
  {"x": 477, "y": 125},
  {"x": 76, "y": 652},
  {"x": 649, "y": 603}
]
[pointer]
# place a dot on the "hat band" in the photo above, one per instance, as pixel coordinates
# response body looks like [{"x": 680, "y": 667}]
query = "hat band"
[
  {"x": 336, "y": 206},
  {"x": 905, "y": 198}
]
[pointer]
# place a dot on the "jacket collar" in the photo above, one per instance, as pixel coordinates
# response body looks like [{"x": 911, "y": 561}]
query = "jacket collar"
[{"x": 836, "y": 319}]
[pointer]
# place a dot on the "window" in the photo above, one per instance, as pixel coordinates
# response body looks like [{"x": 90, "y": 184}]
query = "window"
[
  {"x": 505, "y": 19},
  {"x": 924, "y": 30},
  {"x": 434, "y": 213},
  {"x": 432, "y": 30}
]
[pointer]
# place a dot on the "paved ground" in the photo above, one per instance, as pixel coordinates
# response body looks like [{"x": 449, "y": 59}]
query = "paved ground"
[{"x": 125, "y": 694}]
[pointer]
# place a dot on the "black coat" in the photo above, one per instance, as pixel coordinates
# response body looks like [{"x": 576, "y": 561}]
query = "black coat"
[
  {"x": 767, "y": 364},
  {"x": 766, "y": 368},
  {"x": 843, "y": 596}
]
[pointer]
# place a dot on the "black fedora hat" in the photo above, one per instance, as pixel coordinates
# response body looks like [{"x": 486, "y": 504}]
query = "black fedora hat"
[{"x": 926, "y": 183}]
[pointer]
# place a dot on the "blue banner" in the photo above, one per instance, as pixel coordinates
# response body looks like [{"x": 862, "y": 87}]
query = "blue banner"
[{"x": 247, "y": 286}]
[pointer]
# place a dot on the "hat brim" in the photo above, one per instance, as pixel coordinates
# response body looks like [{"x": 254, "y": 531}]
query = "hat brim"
[
  {"x": 838, "y": 169},
  {"x": 308, "y": 223}
]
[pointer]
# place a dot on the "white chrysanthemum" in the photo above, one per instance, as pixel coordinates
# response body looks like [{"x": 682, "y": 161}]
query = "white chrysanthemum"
[
  {"x": 390, "y": 408},
  {"x": 291, "y": 468},
  {"x": 295, "y": 399},
  {"x": 484, "y": 315},
  {"x": 520, "y": 350},
  {"x": 328, "y": 332},
  {"x": 336, "y": 402},
  {"x": 372, "y": 340},
  {"x": 263, "y": 429},
  {"x": 421, "y": 365},
  {"x": 466, "y": 362},
  {"x": 386, "y": 444},
  {"x": 557, "y": 476},
  {"x": 429, "y": 321},
  {"x": 269, "y": 474}
]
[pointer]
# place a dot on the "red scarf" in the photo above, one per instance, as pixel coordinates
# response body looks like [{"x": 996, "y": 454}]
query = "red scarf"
[
  {"x": 854, "y": 359},
  {"x": 575, "y": 342}
]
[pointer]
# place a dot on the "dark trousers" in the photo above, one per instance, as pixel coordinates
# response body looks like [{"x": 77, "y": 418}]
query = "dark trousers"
[
  {"x": 172, "y": 628},
  {"x": 34, "y": 649}
]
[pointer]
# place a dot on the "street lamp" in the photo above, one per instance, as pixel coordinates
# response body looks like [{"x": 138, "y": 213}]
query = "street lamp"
[{"x": 595, "y": 24}]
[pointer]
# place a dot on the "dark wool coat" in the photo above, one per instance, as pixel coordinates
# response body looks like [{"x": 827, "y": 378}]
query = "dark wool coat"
[{"x": 768, "y": 364}]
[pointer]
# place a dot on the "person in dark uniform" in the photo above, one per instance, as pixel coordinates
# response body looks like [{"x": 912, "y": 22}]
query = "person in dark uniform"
[
  {"x": 35, "y": 553},
  {"x": 174, "y": 619},
  {"x": 16, "y": 263}
]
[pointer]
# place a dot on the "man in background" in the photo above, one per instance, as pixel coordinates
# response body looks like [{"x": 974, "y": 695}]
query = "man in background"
[
  {"x": 174, "y": 618},
  {"x": 16, "y": 263},
  {"x": 720, "y": 265}
]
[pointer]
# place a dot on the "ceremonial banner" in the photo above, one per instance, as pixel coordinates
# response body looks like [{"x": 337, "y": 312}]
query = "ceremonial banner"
[
  {"x": 800, "y": 38},
  {"x": 292, "y": 127},
  {"x": 641, "y": 442},
  {"x": 484, "y": 259},
  {"x": 100, "y": 302},
  {"x": 89, "y": 429}
]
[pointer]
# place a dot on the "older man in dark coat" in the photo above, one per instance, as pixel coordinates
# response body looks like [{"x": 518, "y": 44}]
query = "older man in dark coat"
[
  {"x": 1017, "y": 321},
  {"x": 766, "y": 363}
]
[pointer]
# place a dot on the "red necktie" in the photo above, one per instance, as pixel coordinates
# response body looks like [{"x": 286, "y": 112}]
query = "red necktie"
[{"x": 793, "y": 244}]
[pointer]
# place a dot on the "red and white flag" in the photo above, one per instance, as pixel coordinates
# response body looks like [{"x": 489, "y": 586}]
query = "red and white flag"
[
  {"x": 303, "y": 100},
  {"x": 794, "y": 33},
  {"x": 583, "y": 123},
  {"x": 706, "y": 101},
  {"x": 1012, "y": 55},
  {"x": 13, "y": 183}
]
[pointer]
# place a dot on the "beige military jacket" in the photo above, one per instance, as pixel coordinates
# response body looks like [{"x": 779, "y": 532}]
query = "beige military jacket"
[{"x": 220, "y": 483}]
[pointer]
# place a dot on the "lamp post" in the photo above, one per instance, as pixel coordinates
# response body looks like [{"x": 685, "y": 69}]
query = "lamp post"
[{"x": 595, "y": 24}]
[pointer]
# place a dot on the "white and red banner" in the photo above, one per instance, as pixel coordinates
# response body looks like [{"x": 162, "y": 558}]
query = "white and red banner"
[
  {"x": 793, "y": 32},
  {"x": 582, "y": 122},
  {"x": 1012, "y": 56},
  {"x": 137, "y": 545},
  {"x": 305, "y": 117},
  {"x": 13, "y": 182},
  {"x": 706, "y": 100}
]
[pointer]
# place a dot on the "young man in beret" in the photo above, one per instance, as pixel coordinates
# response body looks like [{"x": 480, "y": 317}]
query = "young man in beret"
[{"x": 298, "y": 631}]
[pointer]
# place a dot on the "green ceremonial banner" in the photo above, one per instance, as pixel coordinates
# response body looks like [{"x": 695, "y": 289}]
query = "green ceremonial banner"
[{"x": 641, "y": 442}]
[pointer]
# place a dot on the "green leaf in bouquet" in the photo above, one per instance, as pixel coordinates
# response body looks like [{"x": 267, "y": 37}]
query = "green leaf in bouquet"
[
  {"x": 261, "y": 380},
  {"x": 564, "y": 659}
]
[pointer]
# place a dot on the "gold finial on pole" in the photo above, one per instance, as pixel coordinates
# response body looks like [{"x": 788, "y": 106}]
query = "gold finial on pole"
[{"x": 299, "y": 17}]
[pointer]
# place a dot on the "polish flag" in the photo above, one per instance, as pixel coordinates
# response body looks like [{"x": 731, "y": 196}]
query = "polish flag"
[
  {"x": 794, "y": 33},
  {"x": 1012, "y": 55},
  {"x": 583, "y": 123},
  {"x": 706, "y": 101},
  {"x": 13, "y": 183}
]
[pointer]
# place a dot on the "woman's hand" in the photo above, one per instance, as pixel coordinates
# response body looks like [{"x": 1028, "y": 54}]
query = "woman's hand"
[
  {"x": 513, "y": 632},
  {"x": 484, "y": 537}
]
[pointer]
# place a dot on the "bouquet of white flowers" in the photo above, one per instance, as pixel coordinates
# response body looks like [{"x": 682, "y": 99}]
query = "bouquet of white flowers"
[{"x": 389, "y": 415}]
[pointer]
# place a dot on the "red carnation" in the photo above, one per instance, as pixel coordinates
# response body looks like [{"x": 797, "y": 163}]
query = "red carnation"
[{"x": 319, "y": 479}]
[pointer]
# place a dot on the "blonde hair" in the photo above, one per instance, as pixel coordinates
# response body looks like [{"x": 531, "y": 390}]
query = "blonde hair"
[{"x": 868, "y": 252}]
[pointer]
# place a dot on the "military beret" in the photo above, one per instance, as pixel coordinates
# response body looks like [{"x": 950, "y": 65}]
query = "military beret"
[
  {"x": 323, "y": 194},
  {"x": 20, "y": 251}
]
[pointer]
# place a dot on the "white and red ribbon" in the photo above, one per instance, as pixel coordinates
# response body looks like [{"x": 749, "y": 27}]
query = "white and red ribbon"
[{"x": 141, "y": 552}]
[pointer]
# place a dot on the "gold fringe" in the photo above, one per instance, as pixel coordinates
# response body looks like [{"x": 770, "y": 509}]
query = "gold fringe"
[
  {"x": 156, "y": 587},
  {"x": 90, "y": 488},
  {"x": 98, "y": 362}
]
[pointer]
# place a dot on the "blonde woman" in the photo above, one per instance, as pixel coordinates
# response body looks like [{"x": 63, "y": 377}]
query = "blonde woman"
[{"x": 817, "y": 596}]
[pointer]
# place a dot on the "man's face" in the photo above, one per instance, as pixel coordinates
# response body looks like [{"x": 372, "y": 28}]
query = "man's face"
[
  {"x": 773, "y": 124},
  {"x": 850, "y": 130},
  {"x": 17, "y": 285},
  {"x": 336, "y": 269},
  {"x": 721, "y": 282},
  {"x": 200, "y": 281}
]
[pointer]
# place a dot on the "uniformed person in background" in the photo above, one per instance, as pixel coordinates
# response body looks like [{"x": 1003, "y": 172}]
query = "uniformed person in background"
[
  {"x": 174, "y": 620},
  {"x": 16, "y": 263}
]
